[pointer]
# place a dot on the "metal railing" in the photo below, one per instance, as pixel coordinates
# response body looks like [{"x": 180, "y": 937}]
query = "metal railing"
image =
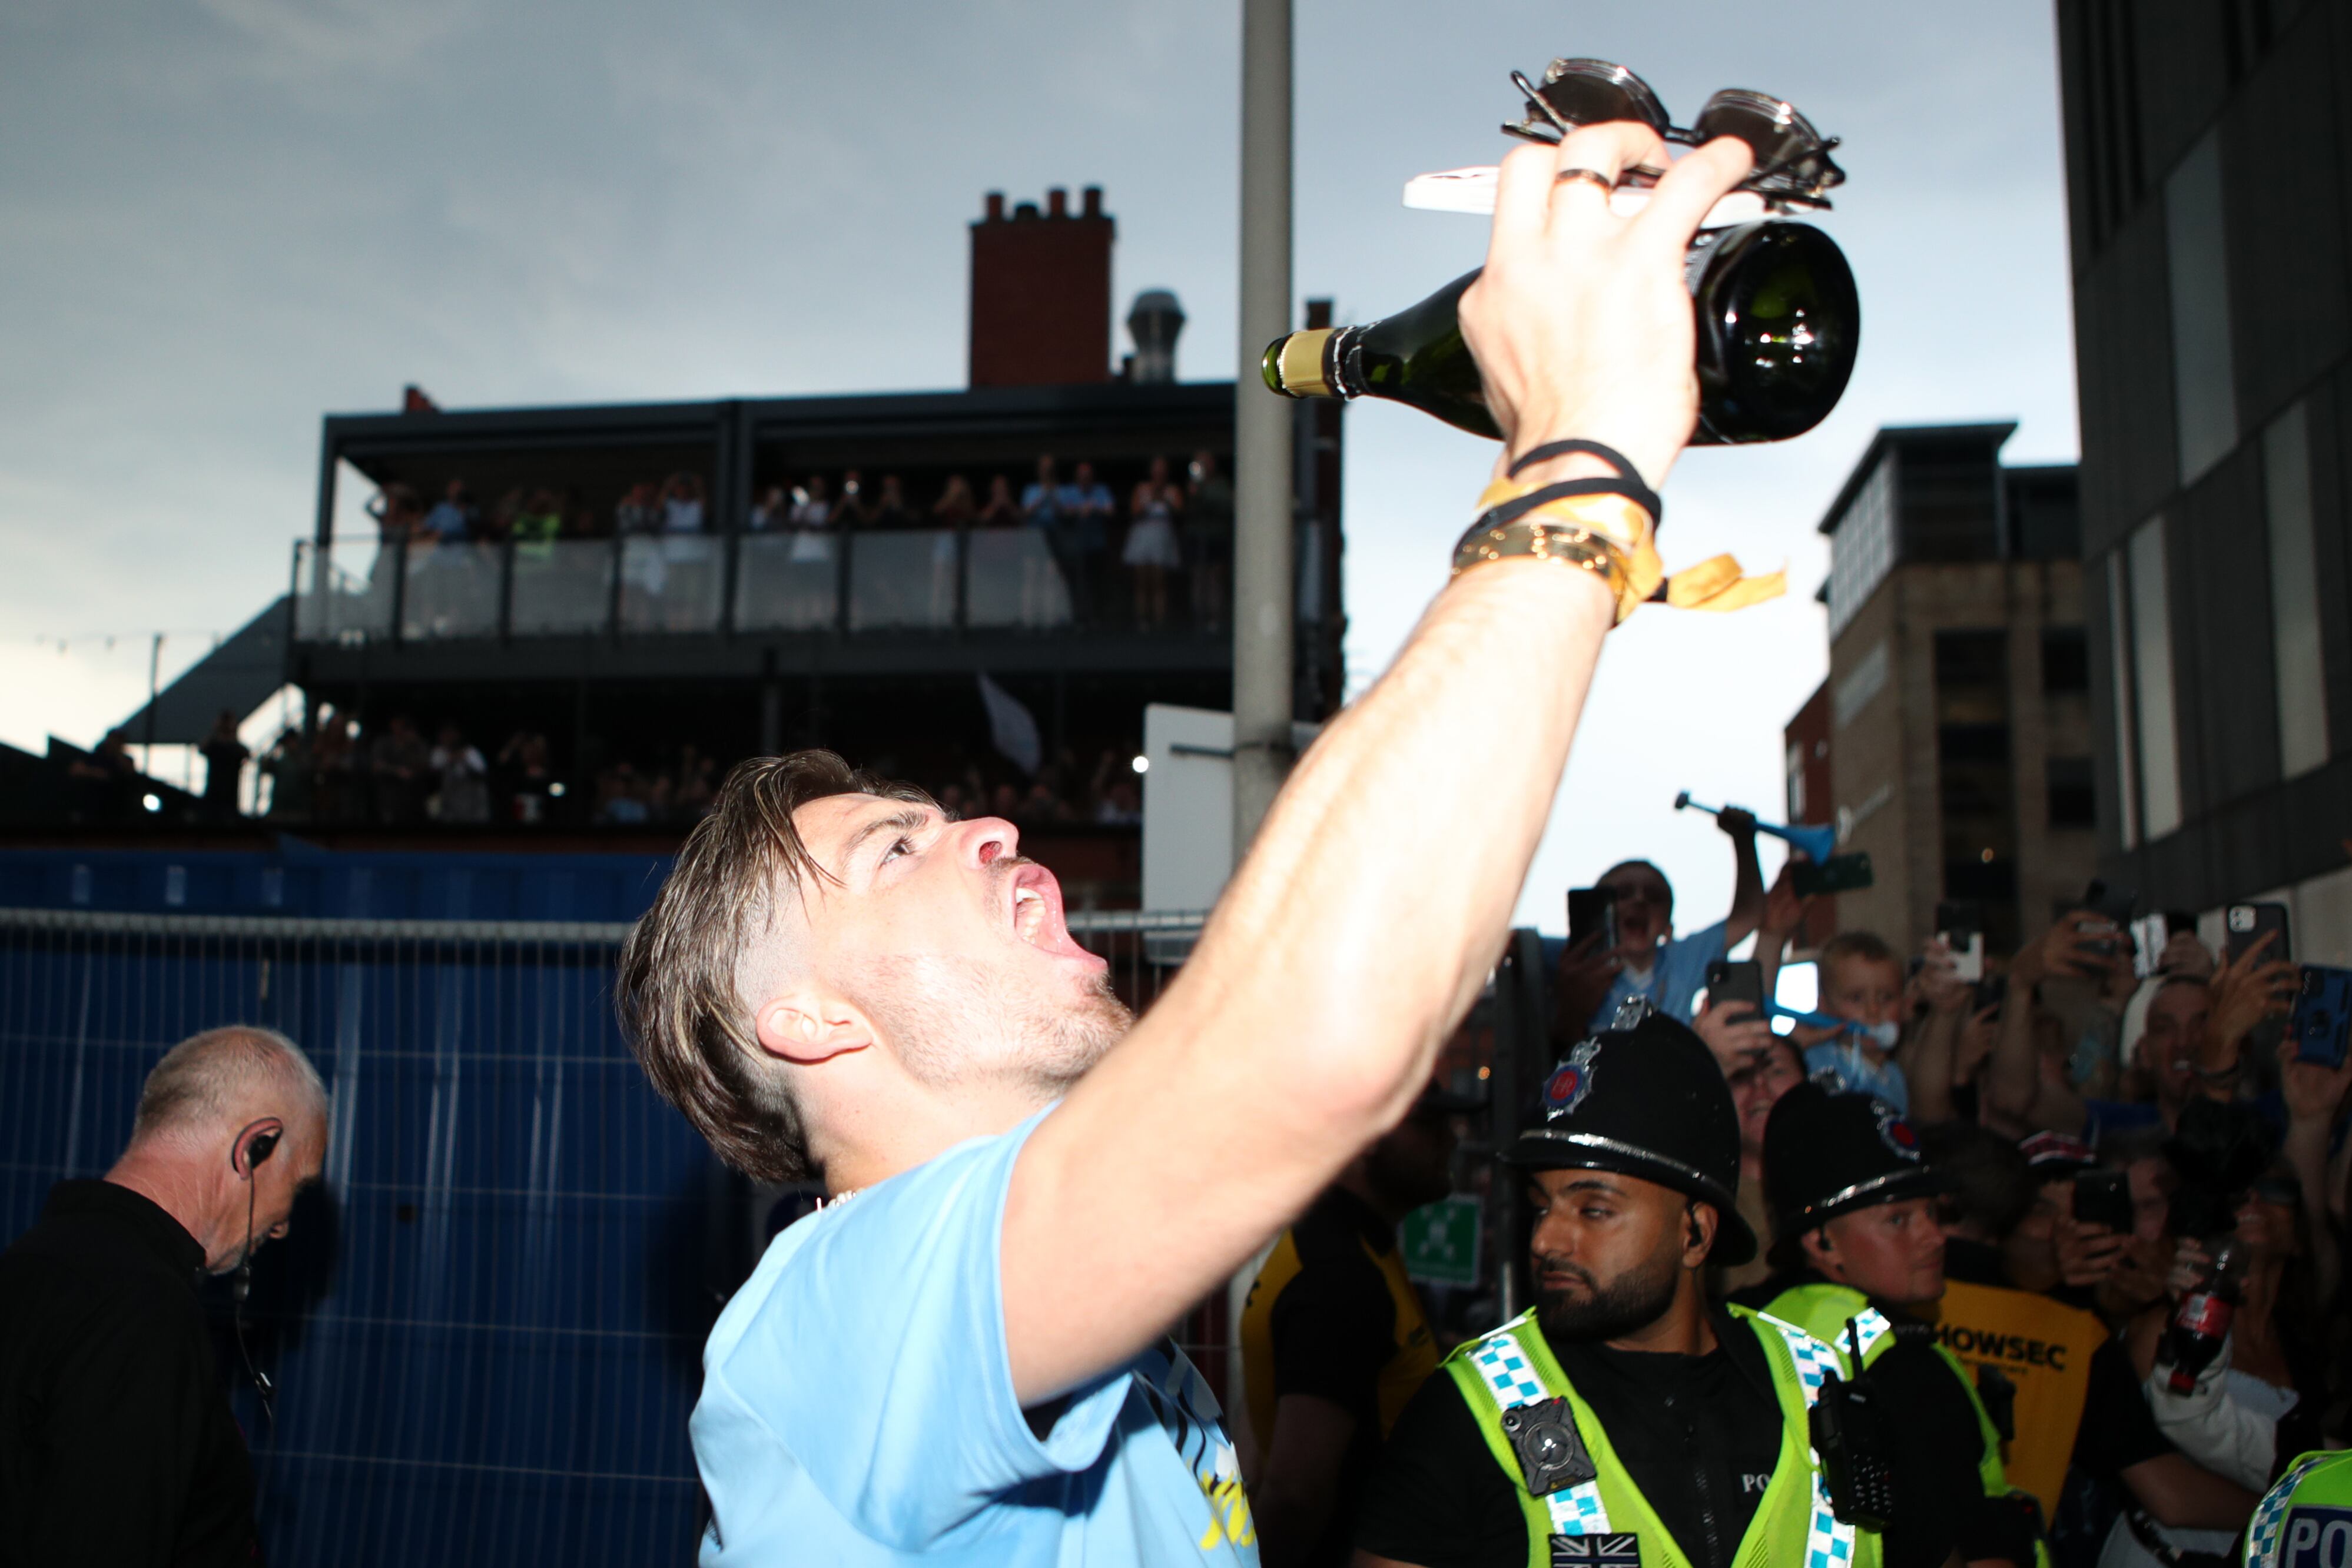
[{"x": 941, "y": 580}]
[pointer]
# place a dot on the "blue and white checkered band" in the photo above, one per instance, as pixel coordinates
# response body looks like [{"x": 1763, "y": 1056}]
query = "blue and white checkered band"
[
  {"x": 1565, "y": 1089},
  {"x": 1894, "y": 1132},
  {"x": 2262, "y": 1535},
  {"x": 1512, "y": 1378},
  {"x": 1828, "y": 1542}
]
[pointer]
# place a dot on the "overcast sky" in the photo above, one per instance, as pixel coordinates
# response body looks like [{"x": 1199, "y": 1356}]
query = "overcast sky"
[{"x": 219, "y": 221}]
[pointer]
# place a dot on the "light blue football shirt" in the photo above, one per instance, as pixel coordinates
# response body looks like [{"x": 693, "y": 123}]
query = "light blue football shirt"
[{"x": 857, "y": 1405}]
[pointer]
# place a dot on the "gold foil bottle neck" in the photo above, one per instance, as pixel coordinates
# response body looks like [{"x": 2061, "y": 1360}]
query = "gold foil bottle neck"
[{"x": 1294, "y": 364}]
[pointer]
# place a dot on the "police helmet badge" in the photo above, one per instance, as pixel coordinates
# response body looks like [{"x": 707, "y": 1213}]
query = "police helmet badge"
[
  {"x": 1894, "y": 1132},
  {"x": 1565, "y": 1089}
]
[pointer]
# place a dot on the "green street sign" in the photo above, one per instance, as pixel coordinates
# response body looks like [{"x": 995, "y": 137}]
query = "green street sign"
[{"x": 1441, "y": 1242}]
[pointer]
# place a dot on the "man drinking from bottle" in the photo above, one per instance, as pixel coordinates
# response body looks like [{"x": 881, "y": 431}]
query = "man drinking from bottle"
[{"x": 962, "y": 1357}]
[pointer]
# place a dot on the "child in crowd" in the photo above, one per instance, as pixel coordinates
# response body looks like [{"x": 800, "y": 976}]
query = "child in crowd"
[{"x": 1861, "y": 985}]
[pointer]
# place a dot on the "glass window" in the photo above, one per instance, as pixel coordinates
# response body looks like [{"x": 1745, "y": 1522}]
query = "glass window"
[
  {"x": 2071, "y": 800},
  {"x": 2295, "y": 594},
  {"x": 1862, "y": 546},
  {"x": 2204, "y": 400},
  {"x": 2066, "y": 660},
  {"x": 2151, "y": 627}
]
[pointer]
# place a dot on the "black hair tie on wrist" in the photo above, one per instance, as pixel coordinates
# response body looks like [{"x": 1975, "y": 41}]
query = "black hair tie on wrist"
[
  {"x": 1628, "y": 483},
  {"x": 1519, "y": 507}
]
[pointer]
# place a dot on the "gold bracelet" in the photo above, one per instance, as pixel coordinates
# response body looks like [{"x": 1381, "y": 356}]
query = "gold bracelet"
[{"x": 1534, "y": 538}]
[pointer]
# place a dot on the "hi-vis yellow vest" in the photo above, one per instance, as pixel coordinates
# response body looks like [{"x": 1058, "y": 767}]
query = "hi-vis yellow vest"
[
  {"x": 2042, "y": 1346},
  {"x": 1793, "y": 1527},
  {"x": 1823, "y": 1310}
]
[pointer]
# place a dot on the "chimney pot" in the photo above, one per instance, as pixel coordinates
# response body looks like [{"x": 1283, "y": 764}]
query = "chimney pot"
[
  {"x": 1040, "y": 303},
  {"x": 996, "y": 206},
  {"x": 1093, "y": 208}
]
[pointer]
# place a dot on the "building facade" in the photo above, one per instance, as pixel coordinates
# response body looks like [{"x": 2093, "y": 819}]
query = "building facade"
[
  {"x": 2208, "y": 147},
  {"x": 1951, "y": 741}
]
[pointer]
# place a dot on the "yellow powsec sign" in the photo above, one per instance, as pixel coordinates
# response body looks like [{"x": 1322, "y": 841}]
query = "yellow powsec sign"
[{"x": 2042, "y": 1346}]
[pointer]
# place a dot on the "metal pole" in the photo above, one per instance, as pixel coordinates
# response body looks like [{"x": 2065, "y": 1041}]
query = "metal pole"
[
  {"x": 1262, "y": 484},
  {"x": 1262, "y": 502},
  {"x": 154, "y": 670}
]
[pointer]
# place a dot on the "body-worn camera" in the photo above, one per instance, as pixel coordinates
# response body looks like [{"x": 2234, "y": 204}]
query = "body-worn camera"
[{"x": 1551, "y": 1452}]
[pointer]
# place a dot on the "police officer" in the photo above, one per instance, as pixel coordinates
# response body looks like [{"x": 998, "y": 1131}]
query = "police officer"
[
  {"x": 1857, "y": 1253},
  {"x": 1622, "y": 1422},
  {"x": 2306, "y": 1519}
]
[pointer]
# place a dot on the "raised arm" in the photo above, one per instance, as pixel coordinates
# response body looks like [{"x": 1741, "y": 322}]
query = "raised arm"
[
  {"x": 2014, "y": 1083},
  {"x": 1379, "y": 891},
  {"x": 1936, "y": 1042},
  {"x": 1747, "y": 876}
]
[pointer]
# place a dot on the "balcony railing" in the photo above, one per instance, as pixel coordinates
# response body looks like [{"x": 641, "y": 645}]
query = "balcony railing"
[{"x": 915, "y": 579}]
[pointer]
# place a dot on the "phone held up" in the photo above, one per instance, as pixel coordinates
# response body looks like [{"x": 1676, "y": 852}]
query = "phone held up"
[
  {"x": 2103, "y": 1197},
  {"x": 1961, "y": 926},
  {"x": 1839, "y": 873},
  {"x": 2244, "y": 924},
  {"x": 2321, "y": 1024},
  {"x": 1592, "y": 910},
  {"x": 2247, "y": 924},
  {"x": 1735, "y": 980}
]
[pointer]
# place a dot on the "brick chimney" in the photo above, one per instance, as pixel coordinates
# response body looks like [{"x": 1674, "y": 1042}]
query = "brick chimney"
[{"x": 1041, "y": 292}]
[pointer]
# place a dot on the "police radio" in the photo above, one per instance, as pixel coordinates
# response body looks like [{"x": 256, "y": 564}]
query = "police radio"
[{"x": 1850, "y": 1432}]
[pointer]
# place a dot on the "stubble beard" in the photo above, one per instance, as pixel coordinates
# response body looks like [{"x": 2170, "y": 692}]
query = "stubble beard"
[{"x": 955, "y": 1022}]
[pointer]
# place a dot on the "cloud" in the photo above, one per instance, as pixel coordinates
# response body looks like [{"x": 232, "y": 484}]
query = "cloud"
[{"x": 304, "y": 40}]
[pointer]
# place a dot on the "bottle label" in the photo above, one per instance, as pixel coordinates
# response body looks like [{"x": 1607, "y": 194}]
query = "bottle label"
[{"x": 2206, "y": 1313}]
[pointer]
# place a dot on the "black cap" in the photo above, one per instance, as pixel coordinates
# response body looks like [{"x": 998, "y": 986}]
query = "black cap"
[
  {"x": 1646, "y": 1101},
  {"x": 1827, "y": 1155}
]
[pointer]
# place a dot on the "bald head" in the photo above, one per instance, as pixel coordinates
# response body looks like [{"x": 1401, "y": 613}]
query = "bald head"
[{"x": 216, "y": 1081}]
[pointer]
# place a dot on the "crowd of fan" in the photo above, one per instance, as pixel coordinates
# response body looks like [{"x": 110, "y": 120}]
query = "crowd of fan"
[
  {"x": 2069, "y": 1059},
  {"x": 339, "y": 776},
  {"x": 1166, "y": 530}
]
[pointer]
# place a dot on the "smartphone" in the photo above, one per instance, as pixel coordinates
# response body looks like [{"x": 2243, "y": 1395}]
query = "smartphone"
[
  {"x": 1735, "y": 980},
  {"x": 1961, "y": 926},
  {"x": 2321, "y": 1024},
  {"x": 2103, "y": 1197},
  {"x": 1591, "y": 909},
  {"x": 2150, "y": 933},
  {"x": 2248, "y": 924},
  {"x": 1839, "y": 873}
]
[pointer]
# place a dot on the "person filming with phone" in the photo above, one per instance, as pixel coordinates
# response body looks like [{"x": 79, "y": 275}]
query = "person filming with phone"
[
  {"x": 116, "y": 1441},
  {"x": 2192, "y": 1044},
  {"x": 1595, "y": 976}
]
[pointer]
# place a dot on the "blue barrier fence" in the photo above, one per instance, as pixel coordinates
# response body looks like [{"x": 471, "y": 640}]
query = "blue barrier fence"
[{"x": 486, "y": 1331}]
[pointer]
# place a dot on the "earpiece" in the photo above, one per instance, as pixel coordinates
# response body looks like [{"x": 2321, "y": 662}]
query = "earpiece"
[{"x": 257, "y": 1147}]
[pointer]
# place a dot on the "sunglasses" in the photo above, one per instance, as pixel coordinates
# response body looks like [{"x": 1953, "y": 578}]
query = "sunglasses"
[{"x": 1792, "y": 160}]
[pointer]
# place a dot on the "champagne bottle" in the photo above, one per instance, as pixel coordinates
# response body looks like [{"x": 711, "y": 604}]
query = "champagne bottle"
[{"x": 1778, "y": 325}]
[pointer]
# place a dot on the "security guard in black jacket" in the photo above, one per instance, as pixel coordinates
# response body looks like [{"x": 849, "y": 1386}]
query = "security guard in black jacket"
[{"x": 1623, "y": 1421}]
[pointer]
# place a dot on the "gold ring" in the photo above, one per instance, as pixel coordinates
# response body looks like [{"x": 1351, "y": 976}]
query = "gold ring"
[{"x": 1600, "y": 180}]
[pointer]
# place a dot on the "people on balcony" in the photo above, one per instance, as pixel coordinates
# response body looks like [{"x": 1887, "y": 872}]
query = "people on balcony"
[{"x": 1150, "y": 553}]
